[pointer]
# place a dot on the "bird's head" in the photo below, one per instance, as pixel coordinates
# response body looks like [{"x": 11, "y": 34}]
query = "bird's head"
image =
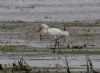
[{"x": 44, "y": 26}]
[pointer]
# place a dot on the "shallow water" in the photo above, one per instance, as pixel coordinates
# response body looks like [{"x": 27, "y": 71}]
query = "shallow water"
[
  {"x": 34, "y": 59},
  {"x": 49, "y": 10},
  {"x": 35, "y": 43},
  {"x": 47, "y": 44},
  {"x": 74, "y": 61}
]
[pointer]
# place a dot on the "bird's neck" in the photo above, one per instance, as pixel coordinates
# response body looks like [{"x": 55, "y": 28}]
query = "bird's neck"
[{"x": 45, "y": 28}]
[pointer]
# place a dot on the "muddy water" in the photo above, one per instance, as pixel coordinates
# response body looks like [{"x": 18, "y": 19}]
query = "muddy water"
[
  {"x": 49, "y": 10},
  {"x": 47, "y": 43},
  {"x": 76, "y": 62},
  {"x": 35, "y": 43},
  {"x": 35, "y": 60}
]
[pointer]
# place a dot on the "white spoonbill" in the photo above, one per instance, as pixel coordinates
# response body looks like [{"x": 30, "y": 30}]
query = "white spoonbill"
[{"x": 53, "y": 32}]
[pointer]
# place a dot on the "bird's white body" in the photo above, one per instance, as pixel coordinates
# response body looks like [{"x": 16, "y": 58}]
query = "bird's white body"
[{"x": 54, "y": 32}]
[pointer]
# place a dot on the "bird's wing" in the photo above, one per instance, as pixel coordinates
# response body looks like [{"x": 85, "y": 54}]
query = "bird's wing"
[{"x": 54, "y": 32}]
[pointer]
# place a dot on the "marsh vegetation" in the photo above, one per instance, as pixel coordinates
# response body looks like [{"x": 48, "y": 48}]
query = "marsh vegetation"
[{"x": 21, "y": 40}]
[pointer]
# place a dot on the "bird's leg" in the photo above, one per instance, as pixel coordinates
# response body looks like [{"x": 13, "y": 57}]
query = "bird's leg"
[
  {"x": 63, "y": 39},
  {"x": 68, "y": 46},
  {"x": 56, "y": 40},
  {"x": 58, "y": 46},
  {"x": 40, "y": 37}
]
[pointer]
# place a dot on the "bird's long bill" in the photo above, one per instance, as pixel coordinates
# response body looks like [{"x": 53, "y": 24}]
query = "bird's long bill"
[{"x": 39, "y": 29}]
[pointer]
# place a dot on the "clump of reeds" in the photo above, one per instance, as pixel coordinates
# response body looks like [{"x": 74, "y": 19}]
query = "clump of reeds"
[
  {"x": 90, "y": 66},
  {"x": 21, "y": 66},
  {"x": 67, "y": 66}
]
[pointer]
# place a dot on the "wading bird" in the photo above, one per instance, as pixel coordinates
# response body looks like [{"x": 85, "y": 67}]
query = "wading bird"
[{"x": 56, "y": 33}]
